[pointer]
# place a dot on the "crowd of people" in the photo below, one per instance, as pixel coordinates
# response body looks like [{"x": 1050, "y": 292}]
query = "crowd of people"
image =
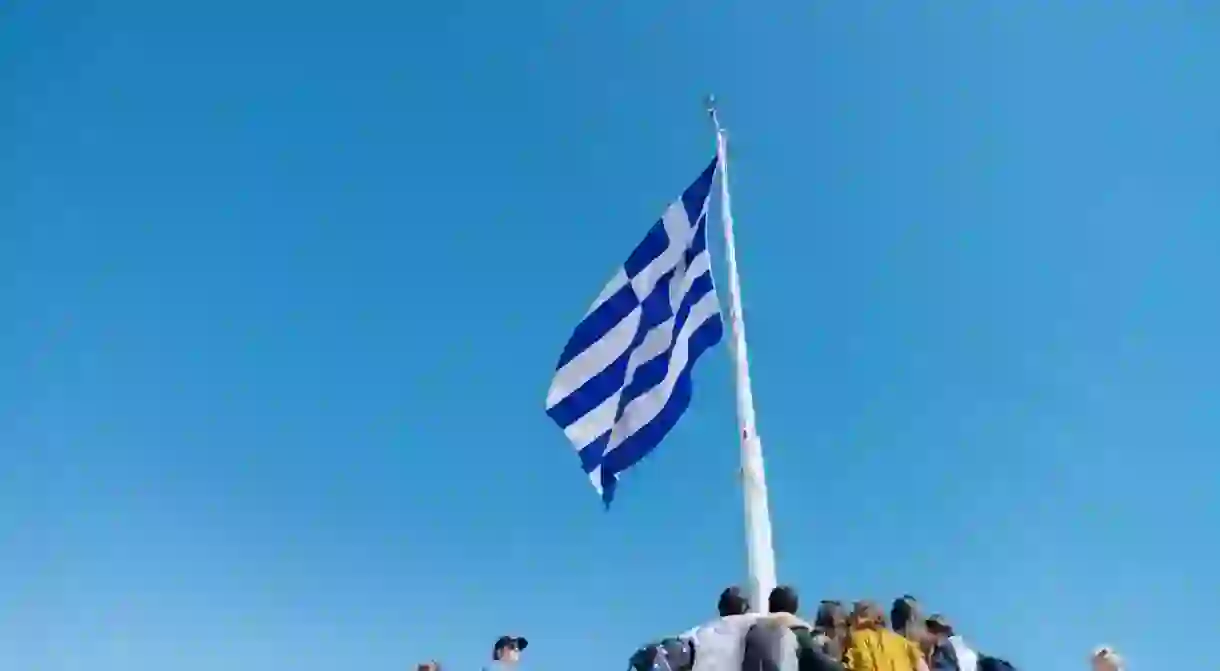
[
  {"x": 838, "y": 639},
  {"x": 861, "y": 638}
]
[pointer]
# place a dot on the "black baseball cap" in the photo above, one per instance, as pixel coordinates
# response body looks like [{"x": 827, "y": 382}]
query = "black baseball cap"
[{"x": 508, "y": 642}]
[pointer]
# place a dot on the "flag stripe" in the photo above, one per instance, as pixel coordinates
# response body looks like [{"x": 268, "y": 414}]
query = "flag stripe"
[
  {"x": 623, "y": 379},
  {"x": 679, "y": 233},
  {"x": 597, "y": 323},
  {"x": 695, "y": 199},
  {"x": 639, "y": 411},
  {"x": 600, "y": 355},
  {"x": 593, "y": 425},
  {"x": 640, "y": 444},
  {"x": 653, "y": 246},
  {"x": 654, "y": 364},
  {"x": 592, "y": 393},
  {"x": 643, "y": 323},
  {"x": 628, "y": 451},
  {"x": 615, "y": 285}
]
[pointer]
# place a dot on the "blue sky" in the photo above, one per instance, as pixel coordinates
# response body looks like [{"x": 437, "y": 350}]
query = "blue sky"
[{"x": 284, "y": 284}]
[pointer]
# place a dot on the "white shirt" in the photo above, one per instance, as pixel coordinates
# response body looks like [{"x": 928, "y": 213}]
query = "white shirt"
[
  {"x": 967, "y": 659},
  {"x": 720, "y": 644}
]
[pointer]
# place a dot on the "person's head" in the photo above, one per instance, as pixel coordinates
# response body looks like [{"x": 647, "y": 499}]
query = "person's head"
[
  {"x": 904, "y": 612},
  {"x": 938, "y": 628},
  {"x": 866, "y": 615},
  {"x": 428, "y": 666},
  {"x": 783, "y": 599},
  {"x": 732, "y": 602},
  {"x": 907, "y": 618},
  {"x": 508, "y": 648},
  {"x": 831, "y": 616},
  {"x": 1106, "y": 658}
]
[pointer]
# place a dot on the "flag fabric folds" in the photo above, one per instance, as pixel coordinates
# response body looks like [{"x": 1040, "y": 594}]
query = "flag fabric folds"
[{"x": 624, "y": 377}]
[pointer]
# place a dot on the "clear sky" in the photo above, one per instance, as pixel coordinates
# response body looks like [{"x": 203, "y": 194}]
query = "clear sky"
[{"x": 283, "y": 285}]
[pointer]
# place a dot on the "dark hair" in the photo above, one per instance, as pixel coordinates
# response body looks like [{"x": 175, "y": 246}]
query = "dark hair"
[
  {"x": 732, "y": 602},
  {"x": 902, "y": 611},
  {"x": 937, "y": 624},
  {"x": 831, "y": 614},
  {"x": 783, "y": 599}
]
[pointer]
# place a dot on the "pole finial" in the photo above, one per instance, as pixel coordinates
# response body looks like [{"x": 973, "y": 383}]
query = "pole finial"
[{"x": 710, "y": 103}]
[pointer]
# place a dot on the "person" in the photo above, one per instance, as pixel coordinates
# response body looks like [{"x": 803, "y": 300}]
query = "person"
[
  {"x": 507, "y": 652},
  {"x": 783, "y": 599},
  {"x": 1106, "y": 658},
  {"x": 428, "y": 666},
  {"x": 784, "y": 602},
  {"x": 947, "y": 650},
  {"x": 873, "y": 647},
  {"x": 830, "y": 629},
  {"x": 732, "y": 602},
  {"x": 719, "y": 644},
  {"x": 668, "y": 654},
  {"x": 940, "y": 652},
  {"x": 906, "y": 617}
]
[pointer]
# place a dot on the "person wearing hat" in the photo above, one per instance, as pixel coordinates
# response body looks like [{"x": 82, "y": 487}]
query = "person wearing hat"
[
  {"x": 508, "y": 651},
  {"x": 949, "y": 651}
]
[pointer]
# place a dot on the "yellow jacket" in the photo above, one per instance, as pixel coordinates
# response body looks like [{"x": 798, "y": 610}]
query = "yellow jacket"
[{"x": 878, "y": 649}]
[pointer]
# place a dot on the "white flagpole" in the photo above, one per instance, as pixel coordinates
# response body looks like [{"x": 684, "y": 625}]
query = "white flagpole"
[{"x": 759, "y": 552}]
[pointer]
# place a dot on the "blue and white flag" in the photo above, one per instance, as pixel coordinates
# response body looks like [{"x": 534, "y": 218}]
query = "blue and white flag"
[{"x": 624, "y": 377}]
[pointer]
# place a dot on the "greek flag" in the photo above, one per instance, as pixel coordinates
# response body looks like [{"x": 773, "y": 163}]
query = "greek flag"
[{"x": 624, "y": 377}]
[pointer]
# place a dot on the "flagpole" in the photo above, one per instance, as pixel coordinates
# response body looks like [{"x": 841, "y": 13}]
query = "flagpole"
[{"x": 759, "y": 551}]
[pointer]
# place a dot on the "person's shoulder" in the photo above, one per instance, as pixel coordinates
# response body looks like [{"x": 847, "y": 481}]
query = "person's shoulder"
[
  {"x": 908, "y": 644},
  {"x": 860, "y": 635},
  {"x": 732, "y": 622},
  {"x": 787, "y": 620},
  {"x": 891, "y": 635},
  {"x": 727, "y": 623},
  {"x": 889, "y": 640}
]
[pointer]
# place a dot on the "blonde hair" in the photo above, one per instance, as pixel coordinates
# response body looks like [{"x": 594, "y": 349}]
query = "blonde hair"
[{"x": 866, "y": 615}]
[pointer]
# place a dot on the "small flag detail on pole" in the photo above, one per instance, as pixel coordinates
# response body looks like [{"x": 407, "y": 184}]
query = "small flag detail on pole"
[{"x": 624, "y": 378}]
